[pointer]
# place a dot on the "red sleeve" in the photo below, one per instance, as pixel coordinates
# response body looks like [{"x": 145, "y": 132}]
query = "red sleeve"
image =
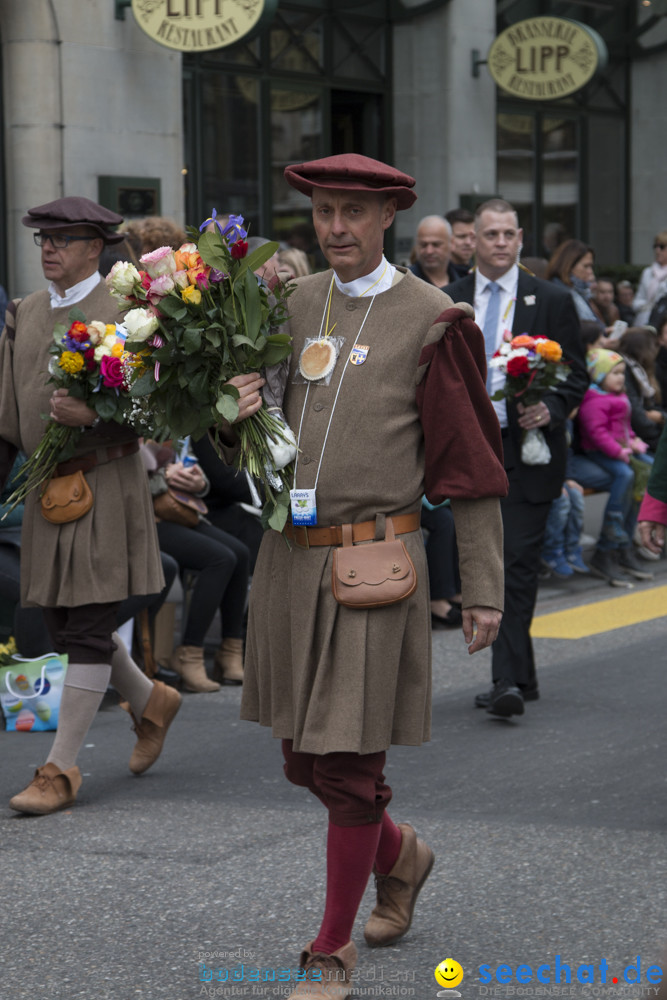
[{"x": 464, "y": 451}]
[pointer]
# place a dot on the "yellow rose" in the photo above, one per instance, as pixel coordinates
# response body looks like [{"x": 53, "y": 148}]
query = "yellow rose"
[
  {"x": 71, "y": 362},
  {"x": 191, "y": 294},
  {"x": 549, "y": 349},
  {"x": 117, "y": 350}
]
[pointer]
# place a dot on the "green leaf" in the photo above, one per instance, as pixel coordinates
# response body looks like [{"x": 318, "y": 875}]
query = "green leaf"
[
  {"x": 253, "y": 314},
  {"x": 172, "y": 305},
  {"x": 278, "y": 518},
  {"x": 255, "y": 260},
  {"x": 198, "y": 386},
  {"x": 192, "y": 341},
  {"x": 105, "y": 406},
  {"x": 143, "y": 385},
  {"x": 76, "y": 316},
  {"x": 227, "y": 407},
  {"x": 213, "y": 251}
]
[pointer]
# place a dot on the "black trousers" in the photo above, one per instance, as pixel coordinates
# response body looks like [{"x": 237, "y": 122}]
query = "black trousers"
[{"x": 523, "y": 525}]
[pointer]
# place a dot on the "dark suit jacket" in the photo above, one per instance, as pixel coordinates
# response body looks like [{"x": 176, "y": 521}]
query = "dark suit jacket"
[{"x": 551, "y": 314}]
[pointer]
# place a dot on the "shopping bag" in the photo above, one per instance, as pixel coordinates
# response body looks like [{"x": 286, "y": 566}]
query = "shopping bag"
[{"x": 30, "y": 692}]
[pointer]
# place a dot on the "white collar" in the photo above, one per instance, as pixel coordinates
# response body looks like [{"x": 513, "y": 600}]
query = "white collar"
[
  {"x": 507, "y": 281},
  {"x": 74, "y": 294},
  {"x": 380, "y": 280}
]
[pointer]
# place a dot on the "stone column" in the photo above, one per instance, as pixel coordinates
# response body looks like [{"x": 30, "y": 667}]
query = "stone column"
[
  {"x": 33, "y": 122},
  {"x": 444, "y": 118}
]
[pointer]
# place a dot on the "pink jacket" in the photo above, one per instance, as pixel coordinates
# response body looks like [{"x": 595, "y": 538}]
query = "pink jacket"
[{"x": 604, "y": 423}]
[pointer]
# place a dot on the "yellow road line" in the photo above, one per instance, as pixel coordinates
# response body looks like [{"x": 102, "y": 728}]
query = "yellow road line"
[{"x": 602, "y": 616}]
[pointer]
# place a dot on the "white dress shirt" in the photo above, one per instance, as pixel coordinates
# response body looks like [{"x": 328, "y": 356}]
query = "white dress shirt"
[
  {"x": 379, "y": 280},
  {"x": 508, "y": 286},
  {"x": 74, "y": 294}
]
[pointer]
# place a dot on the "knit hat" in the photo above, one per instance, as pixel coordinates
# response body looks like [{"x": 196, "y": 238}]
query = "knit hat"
[
  {"x": 352, "y": 172},
  {"x": 600, "y": 362}
]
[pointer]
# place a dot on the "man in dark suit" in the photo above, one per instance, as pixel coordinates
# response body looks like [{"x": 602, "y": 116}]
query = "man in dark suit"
[{"x": 509, "y": 301}]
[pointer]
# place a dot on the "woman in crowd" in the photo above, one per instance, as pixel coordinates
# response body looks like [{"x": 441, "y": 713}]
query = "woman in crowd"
[
  {"x": 639, "y": 346},
  {"x": 571, "y": 267},
  {"x": 653, "y": 282},
  {"x": 222, "y": 567}
]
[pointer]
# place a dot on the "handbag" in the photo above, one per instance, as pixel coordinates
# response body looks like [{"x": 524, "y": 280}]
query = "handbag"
[
  {"x": 179, "y": 507},
  {"x": 66, "y": 498},
  {"x": 373, "y": 574},
  {"x": 30, "y": 692}
]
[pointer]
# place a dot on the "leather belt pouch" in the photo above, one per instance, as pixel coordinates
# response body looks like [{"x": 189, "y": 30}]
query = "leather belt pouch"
[
  {"x": 66, "y": 498},
  {"x": 179, "y": 507},
  {"x": 373, "y": 574}
]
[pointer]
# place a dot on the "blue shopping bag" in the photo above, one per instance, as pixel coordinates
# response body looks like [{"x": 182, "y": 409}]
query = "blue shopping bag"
[{"x": 30, "y": 692}]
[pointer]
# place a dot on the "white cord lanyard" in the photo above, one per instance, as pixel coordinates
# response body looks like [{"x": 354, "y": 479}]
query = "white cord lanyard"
[{"x": 333, "y": 408}]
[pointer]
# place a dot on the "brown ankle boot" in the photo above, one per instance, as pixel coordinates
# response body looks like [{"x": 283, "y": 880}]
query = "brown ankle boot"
[
  {"x": 327, "y": 976},
  {"x": 51, "y": 789},
  {"x": 228, "y": 667},
  {"x": 188, "y": 661},
  {"x": 397, "y": 892},
  {"x": 151, "y": 729}
]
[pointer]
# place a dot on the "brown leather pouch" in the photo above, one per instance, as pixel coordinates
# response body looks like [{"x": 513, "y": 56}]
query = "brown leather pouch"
[
  {"x": 373, "y": 574},
  {"x": 179, "y": 507},
  {"x": 66, "y": 498}
]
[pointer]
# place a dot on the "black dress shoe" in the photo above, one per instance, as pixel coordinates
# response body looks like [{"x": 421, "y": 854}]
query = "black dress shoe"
[
  {"x": 484, "y": 700},
  {"x": 504, "y": 700},
  {"x": 453, "y": 619}
]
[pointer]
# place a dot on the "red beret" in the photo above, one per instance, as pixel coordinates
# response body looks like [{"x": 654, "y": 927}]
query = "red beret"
[
  {"x": 66, "y": 212},
  {"x": 352, "y": 172}
]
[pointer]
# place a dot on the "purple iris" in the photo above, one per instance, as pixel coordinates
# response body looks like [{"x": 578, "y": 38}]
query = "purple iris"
[
  {"x": 234, "y": 229},
  {"x": 70, "y": 344},
  {"x": 215, "y": 276},
  {"x": 213, "y": 217}
]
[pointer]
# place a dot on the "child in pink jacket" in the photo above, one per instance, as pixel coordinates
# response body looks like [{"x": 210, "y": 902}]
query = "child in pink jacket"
[{"x": 607, "y": 438}]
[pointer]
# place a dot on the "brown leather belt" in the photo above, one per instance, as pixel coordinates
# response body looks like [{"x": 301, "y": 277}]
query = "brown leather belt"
[
  {"x": 98, "y": 457},
  {"x": 364, "y": 531}
]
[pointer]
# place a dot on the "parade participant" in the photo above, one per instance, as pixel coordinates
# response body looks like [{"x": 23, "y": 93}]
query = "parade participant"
[
  {"x": 79, "y": 572},
  {"x": 510, "y": 301},
  {"x": 338, "y": 685}
]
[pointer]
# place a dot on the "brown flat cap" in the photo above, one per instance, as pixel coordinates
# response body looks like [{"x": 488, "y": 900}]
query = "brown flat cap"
[
  {"x": 352, "y": 172},
  {"x": 65, "y": 212}
]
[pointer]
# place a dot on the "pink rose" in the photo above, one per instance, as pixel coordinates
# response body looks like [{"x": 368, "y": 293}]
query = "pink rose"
[
  {"x": 160, "y": 287},
  {"x": 160, "y": 261},
  {"x": 112, "y": 372}
]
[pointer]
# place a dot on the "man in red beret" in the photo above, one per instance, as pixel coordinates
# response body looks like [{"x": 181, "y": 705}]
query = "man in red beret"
[
  {"x": 387, "y": 391},
  {"x": 79, "y": 572}
]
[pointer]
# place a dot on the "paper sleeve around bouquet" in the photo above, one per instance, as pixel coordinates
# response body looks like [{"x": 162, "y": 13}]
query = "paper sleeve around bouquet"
[{"x": 30, "y": 693}]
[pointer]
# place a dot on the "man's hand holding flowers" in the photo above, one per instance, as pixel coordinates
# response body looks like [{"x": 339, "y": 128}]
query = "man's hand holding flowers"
[{"x": 69, "y": 410}]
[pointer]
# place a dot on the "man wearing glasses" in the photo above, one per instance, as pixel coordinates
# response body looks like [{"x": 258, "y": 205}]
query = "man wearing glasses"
[
  {"x": 653, "y": 282},
  {"x": 79, "y": 572}
]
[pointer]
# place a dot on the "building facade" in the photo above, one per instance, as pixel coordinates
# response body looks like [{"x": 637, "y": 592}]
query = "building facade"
[{"x": 92, "y": 105}]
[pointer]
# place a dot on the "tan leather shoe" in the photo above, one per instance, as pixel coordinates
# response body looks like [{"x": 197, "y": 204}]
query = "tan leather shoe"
[
  {"x": 151, "y": 730},
  {"x": 188, "y": 661},
  {"x": 50, "y": 790},
  {"x": 327, "y": 977},
  {"x": 397, "y": 892},
  {"x": 228, "y": 668}
]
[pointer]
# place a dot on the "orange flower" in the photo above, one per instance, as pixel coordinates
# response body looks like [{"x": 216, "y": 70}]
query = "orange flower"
[
  {"x": 549, "y": 349},
  {"x": 523, "y": 340}
]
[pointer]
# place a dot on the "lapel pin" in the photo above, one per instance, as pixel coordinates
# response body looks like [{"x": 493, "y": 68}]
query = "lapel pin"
[{"x": 529, "y": 300}]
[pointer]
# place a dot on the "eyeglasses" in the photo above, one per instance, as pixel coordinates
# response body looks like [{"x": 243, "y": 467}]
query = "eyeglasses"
[
  {"x": 660, "y": 246},
  {"x": 58, "y": 242}
]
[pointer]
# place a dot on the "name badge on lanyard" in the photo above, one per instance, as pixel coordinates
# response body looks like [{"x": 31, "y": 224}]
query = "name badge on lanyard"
[{"x": 304, "y": 508}]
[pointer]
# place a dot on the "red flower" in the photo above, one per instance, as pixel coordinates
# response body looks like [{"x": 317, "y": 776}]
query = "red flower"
[
  {"x": 145, "y": 280},
  {"x": 89, "y": 356},
  {"x": 239, "y": 249},
  {"x": 112, "y": 372},
  {"x": 79, "y": 332},
  {"x": 518, "y": 366}
]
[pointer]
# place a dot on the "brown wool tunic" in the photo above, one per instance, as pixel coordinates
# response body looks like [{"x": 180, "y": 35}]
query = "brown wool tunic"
[
  {"x": 328, "y": 677},
  {"x": 112, "y": 551}
]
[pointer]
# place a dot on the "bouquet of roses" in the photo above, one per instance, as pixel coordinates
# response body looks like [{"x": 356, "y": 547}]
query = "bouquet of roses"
[
  {"x": 531, "y": 366},
  {"x": 90, "y": 361},
  {"x": 200, "y": 317}
]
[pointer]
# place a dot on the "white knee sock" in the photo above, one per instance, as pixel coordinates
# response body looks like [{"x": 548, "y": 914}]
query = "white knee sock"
[
  {"x": 130, "y": 682},
  {"x": 85, "y": 684}
]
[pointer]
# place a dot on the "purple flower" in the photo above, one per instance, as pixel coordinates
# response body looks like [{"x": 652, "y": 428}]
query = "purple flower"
[
  {"x": 213, "y": 217},
  {"x": 215, "y": 276},
  {"x": 234, "y": 229},
  {"x": 71, "y": 344}
]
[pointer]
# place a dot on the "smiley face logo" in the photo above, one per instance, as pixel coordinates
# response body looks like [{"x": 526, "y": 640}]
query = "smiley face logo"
[{"x": 449, "y": 973}]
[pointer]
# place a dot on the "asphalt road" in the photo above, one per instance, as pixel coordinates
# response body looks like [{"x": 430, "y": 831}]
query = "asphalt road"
[{"x": 549, "y": 832}]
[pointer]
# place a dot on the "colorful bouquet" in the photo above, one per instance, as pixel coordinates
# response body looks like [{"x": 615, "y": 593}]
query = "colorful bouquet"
[
  {"x": 90, "y": 361},
  {"x": 200, "y": 317},
  {"x": 531, "y": 366}
]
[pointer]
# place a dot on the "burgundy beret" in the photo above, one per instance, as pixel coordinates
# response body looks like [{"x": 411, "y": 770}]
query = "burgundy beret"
[
  {"x": 352, "y": 172},
  {"x": 65, "y": 212}
]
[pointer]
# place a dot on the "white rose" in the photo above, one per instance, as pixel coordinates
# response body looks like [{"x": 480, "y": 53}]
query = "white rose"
[
  {"x": 123, "y": 277},
  {"x": 282, "y": 451},
  {"x": 140, "y": 324},
  {"x": 101, "y": 351},
  {"x": 96, "y": 332}
]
